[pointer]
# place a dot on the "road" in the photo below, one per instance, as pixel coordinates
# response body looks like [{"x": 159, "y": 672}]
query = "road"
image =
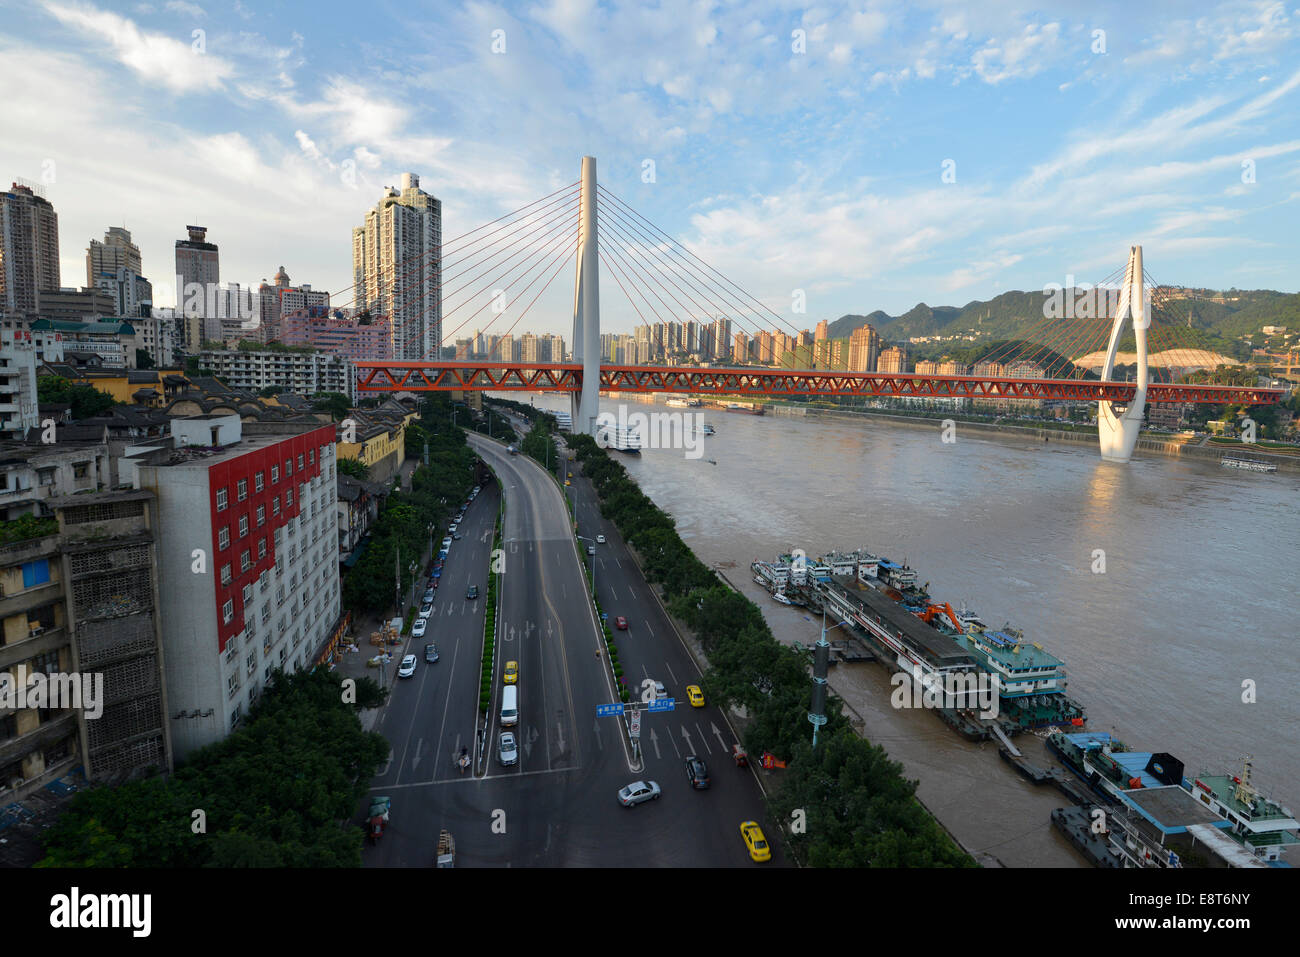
[{"x": 557, "y": 806}]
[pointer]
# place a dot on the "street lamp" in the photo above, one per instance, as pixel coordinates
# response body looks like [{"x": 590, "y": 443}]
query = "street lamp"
[{"x": 821, "y": 658}]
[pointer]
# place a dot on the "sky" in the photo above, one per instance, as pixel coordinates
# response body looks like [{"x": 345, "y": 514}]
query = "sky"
[{"x": 845, "y": 158}]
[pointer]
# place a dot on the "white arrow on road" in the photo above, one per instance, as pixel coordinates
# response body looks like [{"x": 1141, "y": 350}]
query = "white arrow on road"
[
  {"x": 690, "y": 748},
  {"x": 654, "y": 740},
  {"x": 599, "y": 743},
  {"x": 559, "y": 727},
  {"x": 415, "y": 761},
  {"x": 722, "y": 743}
]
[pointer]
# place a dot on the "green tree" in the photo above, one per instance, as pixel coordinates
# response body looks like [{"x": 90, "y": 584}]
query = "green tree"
[
  {"x": 354, "y": 468},
  {"x": 86, "y": 400},
  {"x": 335, "y": 403},
  {"x": 143, "y": 360}
]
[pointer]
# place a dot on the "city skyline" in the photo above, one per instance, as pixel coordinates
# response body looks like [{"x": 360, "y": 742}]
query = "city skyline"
[{"x": 281, "y": 160}]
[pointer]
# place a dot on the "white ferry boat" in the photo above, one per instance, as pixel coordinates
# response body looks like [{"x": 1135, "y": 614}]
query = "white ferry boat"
[{"x": 1248, "y": 465}]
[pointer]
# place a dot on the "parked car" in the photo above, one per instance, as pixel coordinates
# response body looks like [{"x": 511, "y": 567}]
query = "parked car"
[
  {"x": 408, "y": 667},
  {"x": 430, "y": 652},
  {"x": 446, "y": 543},
  {"x": 454, "y": 526},
  {"x": 507, "y": 750},
  {"x": 697, "y": 772},
  {"x": 426, "y": 609},
  {"x": 429, "y": 594},
  {"x": 417, "y": 629},
  {"x": 638, "y": 792},
  {"x": 620, "y": 623},
  {"x": 472, "y": 592}
]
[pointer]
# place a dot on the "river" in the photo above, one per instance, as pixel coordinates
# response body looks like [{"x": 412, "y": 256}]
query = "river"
[{"x": 1185, "y": 643}]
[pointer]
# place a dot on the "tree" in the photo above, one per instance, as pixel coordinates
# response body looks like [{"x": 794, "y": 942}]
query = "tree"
[
  {"x": 335, "y": 403},
  {"x": 86, "y": 400},
  {"x": 270, "y": 391},
  {"x": 354, "y": 468},
  {"x": 143, "y": 360}
]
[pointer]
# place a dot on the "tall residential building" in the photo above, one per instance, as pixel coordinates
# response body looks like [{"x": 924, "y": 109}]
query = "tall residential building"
[
  {"x": 300, "y": 371},
  {"x": 721, "y": 337},
  {"x": 893, "y": 359},
  {"x": 198, "y": 271},
  {"x": 397, "y": 268},
  {"x": 342, "y": 337},
  {"x": 740, "y": 351},
  {"x": 114, "y": 266},
  {"x": 279, "y": 300},
  {"x": 17, "y": 383},
  {"x": 29, "y": 250},
  {"x": 864, "y": 349}
]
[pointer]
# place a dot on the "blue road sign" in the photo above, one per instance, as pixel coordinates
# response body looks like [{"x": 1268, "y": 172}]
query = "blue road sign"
[
  {"x": 662, "y": 704},
  {"x": 609, "y": 710}
]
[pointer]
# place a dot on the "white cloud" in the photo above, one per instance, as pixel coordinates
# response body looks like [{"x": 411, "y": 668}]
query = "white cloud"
[
  {"x": 155, "y": 57},
  {"x": 188, "y": 9}
]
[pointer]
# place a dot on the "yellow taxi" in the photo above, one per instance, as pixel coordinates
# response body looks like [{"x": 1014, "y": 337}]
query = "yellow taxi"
[
  {"x": 755, "y": 841},
  {"x": 696, "y": 695},
  {"x": 512, "y": 672}
]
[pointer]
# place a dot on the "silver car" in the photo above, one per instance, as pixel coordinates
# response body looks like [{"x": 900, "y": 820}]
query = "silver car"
[
  {"x": 638, "y": 792},
  {"x": 507, "y": 750}
]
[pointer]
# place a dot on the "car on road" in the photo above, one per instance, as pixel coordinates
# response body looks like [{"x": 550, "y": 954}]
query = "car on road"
[
  {"x": 456, "y": 536},
  {"x": 507, "y": 750},
  {"x": 511, "y": 674},
  {"x": 638, "y": 792},
  {"x": 600, "y": 539},
  {"x": 471, "y": 593},
  {"x": 591, "y": 549},
  {"x": 453, "y": 527},
  {"x": 755, "y": 842},
  {"x": 429, "y": 594},
  {"x": 695, "y": 695},
  {"x": 426, "y": 609},
  {"x": 446, "y": 543},
  {"x": 697, "y": 772},
  {"x": 431, "y": 652},
  {"x": 620, "y": 623},
  {"x": 660, "y": 690},
  {"x": 442, "y": 557},
  {"x": 417, "y": 630},
  {"x": 408, "y": 667}
]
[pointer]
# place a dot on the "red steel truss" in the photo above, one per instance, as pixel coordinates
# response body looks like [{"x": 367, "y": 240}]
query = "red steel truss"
[{"x": 774, "y": 383}]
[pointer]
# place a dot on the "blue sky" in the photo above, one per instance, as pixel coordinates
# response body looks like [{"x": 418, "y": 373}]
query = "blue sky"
[{"x": 818, "y": 170}]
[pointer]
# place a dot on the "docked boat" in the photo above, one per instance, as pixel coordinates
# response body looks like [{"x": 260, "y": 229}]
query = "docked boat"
[
  {"x": 781, "y": 599},
  {"x": 1247, "y": 465}
]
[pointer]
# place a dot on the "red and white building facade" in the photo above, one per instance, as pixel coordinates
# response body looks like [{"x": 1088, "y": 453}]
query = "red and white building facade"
[{"x": 248, "y": 565}]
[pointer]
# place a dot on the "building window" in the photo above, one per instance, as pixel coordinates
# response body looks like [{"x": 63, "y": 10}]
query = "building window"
[
  {"x": 261, "y": 515},
  {"x": 243, "y": 525},
  {"x": 45, "y": 476},
  {"x": 228, "y": 612},
  {"x": 80, "y": 469},
  {"x": 275, "y": 474},
  {"x": 245, "y": 561},
  {"x": 251, "y": 661},
  {"x": 275, "y": 505},
  {"x": 311, "y": 456},
  {"x": 221, "y": 499},
  {"x": 248, "y": 595},
  {"x": 261, "y": 548},
  {"x": 258, "y": 482},
  {"x": 266, "y": 614},
  {"x": 223, "y": 537},
  {"x": 225, "y": 574},
  {"x": 242, "y": 489},
  {"x": 288, "y": 467},
  {"x": 288, "y": 497},
  {"x": 299, "y": 461}
]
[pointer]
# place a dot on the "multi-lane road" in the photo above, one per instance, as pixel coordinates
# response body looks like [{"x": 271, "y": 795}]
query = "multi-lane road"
[{"x": 557, "y": 805}]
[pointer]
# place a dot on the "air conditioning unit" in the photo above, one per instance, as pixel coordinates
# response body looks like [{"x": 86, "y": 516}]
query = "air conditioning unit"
[{"x": 16, "y": 783}]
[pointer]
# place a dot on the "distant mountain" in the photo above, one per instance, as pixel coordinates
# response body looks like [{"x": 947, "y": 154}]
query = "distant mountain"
[{"x": 1216, "y": 318}]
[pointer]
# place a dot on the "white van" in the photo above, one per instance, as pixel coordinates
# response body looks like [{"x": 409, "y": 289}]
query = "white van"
[{"x": 509, "y": 705}]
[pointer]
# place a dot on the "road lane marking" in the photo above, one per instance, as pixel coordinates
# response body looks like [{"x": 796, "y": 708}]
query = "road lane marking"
[
  {"x": 703, "y": 738},
  {"x": 670, "y": 672}
]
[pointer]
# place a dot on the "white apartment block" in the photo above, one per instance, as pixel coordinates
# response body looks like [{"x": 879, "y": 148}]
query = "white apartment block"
[
  {"x": 17, "y": 383},
  {"x": 302, "y": 372}
]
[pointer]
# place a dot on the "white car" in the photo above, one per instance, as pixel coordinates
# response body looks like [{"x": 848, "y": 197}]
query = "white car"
[
  {"x": 508, "y": 751},
  {"x": 408, "y": 667},
  {"x": 638, "y": 792},
  {"x": 600, "y": 539},
  {"x": 417, "y": 630},
  {"x": 454, "y": 526},
  {"x": 446, "y": 543},
  {"x": 591, "y": 549},
  {"x": 426, "y": 609}
]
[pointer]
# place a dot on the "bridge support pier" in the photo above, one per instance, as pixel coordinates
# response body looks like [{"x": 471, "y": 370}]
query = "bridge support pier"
[
  {"x": 586, "y": 307},
  {"x": 1118, "y": 426}
]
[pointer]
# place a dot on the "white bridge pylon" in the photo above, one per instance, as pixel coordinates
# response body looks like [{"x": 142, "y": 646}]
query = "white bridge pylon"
[
  {"x": 1118, "y": 426},
  {"x": 586, "y": 306}
]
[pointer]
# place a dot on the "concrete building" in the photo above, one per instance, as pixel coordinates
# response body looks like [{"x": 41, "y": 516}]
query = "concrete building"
[
  {"x": 280, "y": 298},
  {"x": 380, "y": 439},
  {"x": 304, "y": 372},
  {"x": 259, "y": 502},
  {"x": 109, "y": 345},
  {"x": 73, "y": 305},
  {"x": 80, "y": 597},
  {"x": 740, "y": 351},
  {"x": 341, "y": 337},
  {"x": 397, "y": 269},
  {"x": 864, "y": 349},
  {"x": 29, "y": 250},
  {"x": 198, "y": 273},
  {"x": 893, "y": 359},
  {"x": 114, "y": 266},
  {"x": 358, "y": 507},
  {"x": 18, "y": 411}
]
